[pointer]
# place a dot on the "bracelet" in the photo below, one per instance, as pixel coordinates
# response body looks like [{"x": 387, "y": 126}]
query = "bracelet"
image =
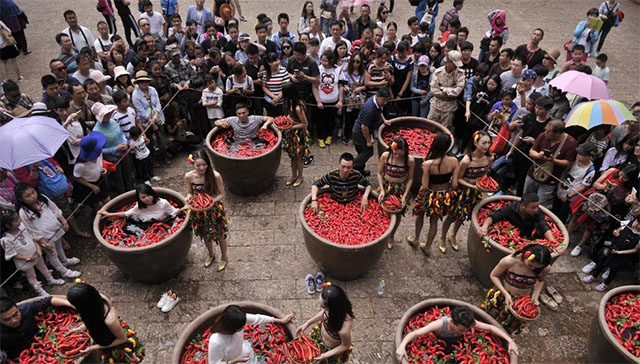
[{"x": 314, "y": 199}]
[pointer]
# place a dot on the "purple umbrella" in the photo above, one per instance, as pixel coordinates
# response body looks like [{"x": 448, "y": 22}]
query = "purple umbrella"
[
  {"x": 24, "y": 141},
  {"x": 582, "y": 84}
]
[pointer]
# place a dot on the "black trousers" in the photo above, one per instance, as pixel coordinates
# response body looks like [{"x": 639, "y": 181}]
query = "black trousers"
[
  {"x": 364, "y": 152},
  {"x": 130, "y": 24},
  {"x": 111, "y": 22},
  {"x": 606, "y": 27},
  {"x": 144, "y": 169},
  {"x": 21, "y": 39}
]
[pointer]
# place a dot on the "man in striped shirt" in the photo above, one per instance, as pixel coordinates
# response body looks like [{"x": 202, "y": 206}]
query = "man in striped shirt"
[
  {"x": 343, "y": 184},
  {"x": 367, "y": 122}
]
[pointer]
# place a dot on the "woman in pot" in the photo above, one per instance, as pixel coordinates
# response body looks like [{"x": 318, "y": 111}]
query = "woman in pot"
[
  {"x": 523, "y": 273},
  {"x": 476, "y": 163},
  {"x": 438, "y": 192},
  {"x": 100, "y": 319},
  {"x": 296, "y": 140},
  {"x": 395, "y": 176},
  {"x": 210, "y": 225},
  {"x": 333, "y": 324},
  {"x": 227, "y": 344}
]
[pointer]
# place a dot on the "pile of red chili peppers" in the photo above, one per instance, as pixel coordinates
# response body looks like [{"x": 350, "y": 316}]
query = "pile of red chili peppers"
[
  {"x": 73, "y": 344},
  {"x": 392, "y": 203},
  {"x": 282, "y": 122},
  {"x": 268, "y": 342},
  {"x": 419, "y": 139},
  {"x": 524, "y": 307},
  {"x": 476, "y": 346},
  {"x": 487, "y": 183},
  {"x": 53, "y": 325},
  {"x": 244, "y": 148},
  {"x": 114, "y": 234},
  {"x": 622, "y": 314},
  {"x": 201, "y": 201},
  {"x": 507, "y": 235},
  {"x": 346, "y": 223}
]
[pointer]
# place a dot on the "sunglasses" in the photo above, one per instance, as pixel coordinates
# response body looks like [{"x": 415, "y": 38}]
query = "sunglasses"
[
  {"x": 286, "y": 47},
  {"x": 385, "y": 13},
  {"x": 60, "y": 69},
  {"x": 357, "y": 61}
]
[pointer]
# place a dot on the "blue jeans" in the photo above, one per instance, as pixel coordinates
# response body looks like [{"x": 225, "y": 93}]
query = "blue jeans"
[{"x": 419, "y": 110}]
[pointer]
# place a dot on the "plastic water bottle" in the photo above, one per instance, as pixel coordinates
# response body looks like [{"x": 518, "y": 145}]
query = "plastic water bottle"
[{"x": 381, "y": 287}]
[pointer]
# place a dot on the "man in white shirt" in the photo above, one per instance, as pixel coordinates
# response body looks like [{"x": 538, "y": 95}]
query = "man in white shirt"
[
  {"x": 80, "y": 36},
  {"x": 329, "y": 43},
  {"x": 102, "y": 44},
  {"x": 155, "y": 19}
]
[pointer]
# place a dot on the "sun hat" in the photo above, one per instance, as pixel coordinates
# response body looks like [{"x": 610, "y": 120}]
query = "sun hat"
[
  {"x": 91, "y": 146},
  {"x": 142, "y": 76},
  {"x": 120, "y": 71},
  {"x": 101, "y": 77},
  {"x": 100, "y": 110},
  {"x": 455, "y": 57}
]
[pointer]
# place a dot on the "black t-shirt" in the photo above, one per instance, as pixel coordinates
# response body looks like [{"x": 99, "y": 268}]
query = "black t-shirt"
[
  {"x": 231, "y": 47},
  {"x": 469, "y": 68},
  {"x": 123, "y": 9},
  {"x": 252, "y": 71},
  {"x": 530, "y": 128},
  {"x": 15, "y": 340},
  {"x": 532, "y": 58},
  {"x": 271, "y": 46},
  {"x": 309, "y": 68},
  {"x": 531, "y": 226}
]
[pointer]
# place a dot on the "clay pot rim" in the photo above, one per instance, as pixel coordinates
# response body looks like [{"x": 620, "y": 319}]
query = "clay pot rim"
[
  {"x": 602, "y": 322},
  {"x": 215, "y": 131},
  {"x": 207, "y": 316},
  {"x": 308, "y": 228},
  {"x": 424, "y": 121},
  {"x": 173, "y": 195},
  {"x": 440, "y": 301},
  {"x": 507, "y": 251}
]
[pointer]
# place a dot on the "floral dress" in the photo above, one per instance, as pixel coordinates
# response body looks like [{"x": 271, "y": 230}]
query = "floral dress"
[
  {"x": 296, "y": 142},
  {"x": 212, "y": 223}
]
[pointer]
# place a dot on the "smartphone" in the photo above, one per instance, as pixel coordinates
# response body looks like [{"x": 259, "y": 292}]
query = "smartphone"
[
  {"x": 547, "y": 152},
  {"x": 262, "y": 75}
]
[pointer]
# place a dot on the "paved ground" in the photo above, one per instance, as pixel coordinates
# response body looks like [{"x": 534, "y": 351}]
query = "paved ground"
[{"x": 268, "y": 258}]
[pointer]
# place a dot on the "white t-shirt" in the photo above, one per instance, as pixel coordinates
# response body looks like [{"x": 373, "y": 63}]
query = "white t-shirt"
[
  {"x": 156, "y": 20},
  {"x": 601, "y": 73},
  {"x": 76, "y": 133},
  {"x": 89, "y": 171},
  {"x": 102, "y": 45},
  {"x": 92, "y": 74},
  {"x": 578, "y": 176},
  {"x": 141, "y": 149},
  {"x": 84, "y": 37},
  {"x": 46, "y": 226},
  {"x": 247, "y": 84},
  {"x": 211, "y": 96},
  {"x": 328, "y": 87},
  {"x": 126, "y": 121},
  {"x": 20, "y": 244},
  {"x": 223, "y": 348},
  {"x": 158, "y": 211},
  {"x": 329, "y": 44}
]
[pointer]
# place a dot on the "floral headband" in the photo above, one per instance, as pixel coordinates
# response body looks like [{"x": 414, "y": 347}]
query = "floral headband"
[
  {"x": 190, "y": 159},
  {"x": 326, "y": 284},
  {"x": 394, "y": 145},
  {"x": 476, "y": 136},
  {"x": 529, "y": 256}
]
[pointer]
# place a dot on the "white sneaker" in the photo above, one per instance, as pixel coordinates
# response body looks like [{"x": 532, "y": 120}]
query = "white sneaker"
[
  {"x": 576, "y": 251},
  {"x": 71, "y": 273},
  {"x": 589, "y": 267},
  {"x": 606, "y": 273},
  {"x": 156, "y": 179},
  {"x": 172, "y": 301},
  {"x": 71, "y": 261},
  {"x": 41, "y": 292},
  {"x": 147, "y": 183},
  {"x": 56, "y": 282},
  {"x": 163, "y": 299}
]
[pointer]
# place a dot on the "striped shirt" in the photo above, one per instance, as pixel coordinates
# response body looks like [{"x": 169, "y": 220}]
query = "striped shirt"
[
  {"x": 342, "y": 191},
  {"x": 126, "y": 121},
  {"x": 276, "y": 81},
  {"x": 377, "y": 75},
  {"x": 369, "y": 115}
]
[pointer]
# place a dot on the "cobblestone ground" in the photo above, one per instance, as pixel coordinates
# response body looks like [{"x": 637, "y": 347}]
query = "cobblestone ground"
[{"x": 268, "y": 260}]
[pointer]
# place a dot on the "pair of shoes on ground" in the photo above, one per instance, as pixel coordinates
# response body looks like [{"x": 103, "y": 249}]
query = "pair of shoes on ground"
[
  {"x": 315, "y": 284},
  {"x": 551, "y": 298},
  {"x": 590, "y": 278},
  {"x": 210, "y": 259},
  {"x": 168, "y": 301}
]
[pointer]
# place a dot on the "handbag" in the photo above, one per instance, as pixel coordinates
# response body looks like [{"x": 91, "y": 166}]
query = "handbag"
[
  {"x": 568, "y": 46},
  {"x": 100, "y": 8},
  {"x": 7, "y": 37},
  {"x": 596, "y": 206},
  {"x": 542, "y": 173},
  {"x": 500, "y": 141}
]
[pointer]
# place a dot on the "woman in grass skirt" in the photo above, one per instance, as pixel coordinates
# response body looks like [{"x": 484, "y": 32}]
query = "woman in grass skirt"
[
  {"x": 297, "y": 142},
  {"x": 395, "y": 177},
  {"x": 523, "y": 274},
  {"x": 475, "y": 164},
  {"x": 211, "y": 224},
  {"x": 332, "y": 326},
  {"x": 438, "y": 193}
]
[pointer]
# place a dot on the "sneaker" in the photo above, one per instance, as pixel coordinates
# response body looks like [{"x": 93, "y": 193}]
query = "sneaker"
[
  {"x": 41, "y": 292},
  {"x": 345, "y": 141},
  {"x": 588, "y": 278},
  {"x": 242, "y": 18},
  {"x": 71, "y": 261},
  {"x": 596, "y": 54},
  {"x": 606, "y": 273},
  {"x": 601, "y": 287},
  {"x": 311, "y": 284},
  {"x": 589, "y": 267},
  {"x": 156, "y": 179},
  {"x": 576, "y": 251},
  {"x": 71, "y": 273},
  {"x": 307, "y": 161},
  {"x": 56, "y": 282},
  {"x": 328, "y": 141},
  {"x": 319, "y": 281},
  {"x": 163, "y": 299},
  {"x": 321, "y": 143},
  {"x": 172, "y": 301},
  {"x": 148, "y": 183},
  {"x": 20, "y": 79}
]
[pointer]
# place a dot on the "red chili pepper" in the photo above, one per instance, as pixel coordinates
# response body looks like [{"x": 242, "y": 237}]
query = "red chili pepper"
[{"x": 225, "y": 143}]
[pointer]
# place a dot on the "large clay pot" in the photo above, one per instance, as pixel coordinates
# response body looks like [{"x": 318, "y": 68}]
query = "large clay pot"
[
  {"x": 424, "y": 305},
  {"x": 207, "y": 319},
  {"x": 483, "y": 262},
  {"x": 603, "y": 347},
  {"x": 246, "y": 176},
  {"x": 154, "y": 263},
  {"x": 411, "y": 122},
  {"x": 342, "y": 262}
]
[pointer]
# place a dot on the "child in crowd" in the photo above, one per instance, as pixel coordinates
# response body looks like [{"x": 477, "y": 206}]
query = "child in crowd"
[
  {"x": 420, "y": 79},
  {"x": 212, "y": 99},
  {"x": 601, "y": 70},
  {"x": 314, "y": 48},
  {"x": 125, "y": 115},
  {"x": 142, "y": 161},
  {"x": 19, "y": 245}
]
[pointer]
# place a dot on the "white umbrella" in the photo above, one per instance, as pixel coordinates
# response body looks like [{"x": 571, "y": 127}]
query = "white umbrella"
[{"x": 24, "y": 141}]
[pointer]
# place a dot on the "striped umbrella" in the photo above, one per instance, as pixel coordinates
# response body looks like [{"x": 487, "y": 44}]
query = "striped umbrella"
[{"x": 593, "y": 113}]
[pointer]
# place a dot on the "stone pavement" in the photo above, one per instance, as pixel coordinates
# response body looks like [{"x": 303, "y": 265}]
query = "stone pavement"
[{"x": 268, "y": 260}]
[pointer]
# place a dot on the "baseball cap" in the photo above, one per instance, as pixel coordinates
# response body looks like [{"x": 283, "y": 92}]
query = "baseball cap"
[
  {"x": 423, "y": 61},
  {"x": 455, "y": 57},
  {"x": 529, "y": 74}
]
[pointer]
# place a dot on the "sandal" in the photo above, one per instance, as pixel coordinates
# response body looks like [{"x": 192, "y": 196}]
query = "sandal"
[
  {"x": 289, "y": 182},
  {"x": 544, "y": 298},
  {"x": 554, "y": 294},
  {"x": 412, "y": 242},
  {"x": 209, "y": 261},
  {"x": 453, "y": 242},
  {"x": 222, "y": 266}
]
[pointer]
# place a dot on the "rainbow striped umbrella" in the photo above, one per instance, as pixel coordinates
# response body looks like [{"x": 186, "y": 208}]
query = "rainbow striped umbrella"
[{"x": 593, "y": 113}]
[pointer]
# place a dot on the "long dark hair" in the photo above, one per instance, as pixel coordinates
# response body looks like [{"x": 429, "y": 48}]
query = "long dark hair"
[
  {"x": 338, "y": 307},
  {"x": 90, "y": 305},
  {"x": 304, "y": 10},
  {"x": 19, "y": 190},
  {"x": 147, "y": 190},
  {"x": 439, "y": 147},
  {"x": 631, "y": 139},
  {"x": 230, "y": 321},
  {"x": 270, "y": 57},
  {"x": 6, "y": 219},
  {"x": 350, "y": 67},
  {"x": 291, "y": 100},
  {"x": 209, "y": 175},
  {"x": 631, "y": 171},
  {"x": 401, "y": 143},
  {"x": 541, "y": 255},
  {"x": 472, "y": 146},
  {"x": 336, "y": 56}
]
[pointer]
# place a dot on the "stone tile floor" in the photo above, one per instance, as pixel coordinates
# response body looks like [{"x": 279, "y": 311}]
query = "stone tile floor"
[{"x": 268, "y": 260}]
